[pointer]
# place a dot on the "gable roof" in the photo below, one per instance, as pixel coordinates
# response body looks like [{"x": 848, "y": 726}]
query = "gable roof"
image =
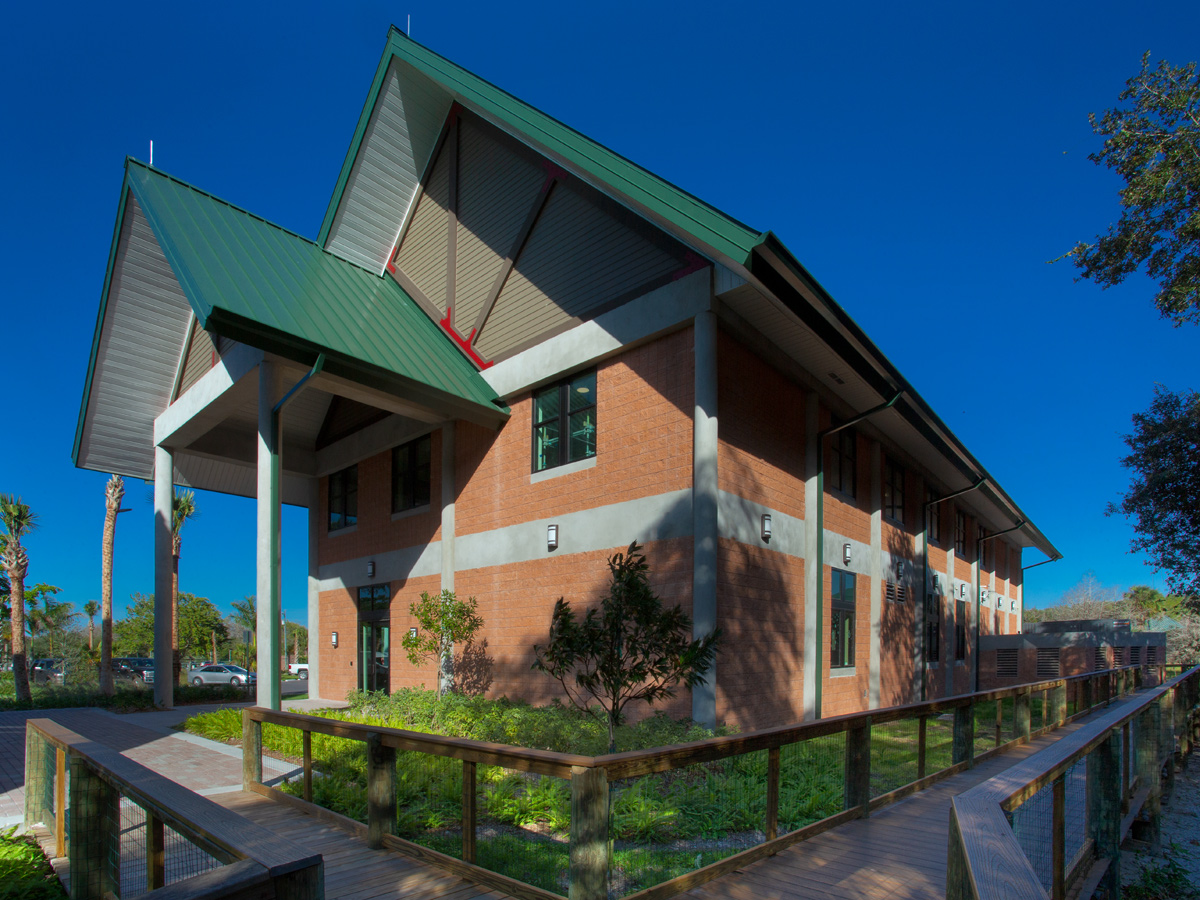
[{"x": 255, "y": 282}]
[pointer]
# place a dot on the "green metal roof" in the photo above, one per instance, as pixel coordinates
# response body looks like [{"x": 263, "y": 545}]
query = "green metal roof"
[
  {"x": 254, "y": 281},
  {"x": 674, "y": 205}
]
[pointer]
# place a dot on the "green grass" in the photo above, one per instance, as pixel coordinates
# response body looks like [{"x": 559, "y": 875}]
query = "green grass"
[
  {"x": 24, "y": 871},
  {"x": 127, "y": 698}
]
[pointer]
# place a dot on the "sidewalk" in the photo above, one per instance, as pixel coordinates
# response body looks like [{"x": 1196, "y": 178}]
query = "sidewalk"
[{"x": 150, "y": 738}]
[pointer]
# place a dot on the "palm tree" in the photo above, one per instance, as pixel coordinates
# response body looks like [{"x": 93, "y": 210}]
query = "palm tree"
[
  {"x": 18, "y": 521},
  {"x": 54, "y": 615},
  {"x": 245, "y": 613},
  {"x": 90, "y": 609},
  {"x": 183, "y": 507},
  {"x": 114, "y": 493}
]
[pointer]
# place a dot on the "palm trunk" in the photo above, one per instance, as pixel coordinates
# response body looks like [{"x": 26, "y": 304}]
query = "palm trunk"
[
  {"x": 16, "y": 580},
  {"x": 91, "y": 627},
  {"x": 113, "y": 494},
  {"x": 175, "y": 666}
]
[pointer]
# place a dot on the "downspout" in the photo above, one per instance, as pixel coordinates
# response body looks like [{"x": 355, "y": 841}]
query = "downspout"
[
  {"x": 925, "y": 574},
  {"x": 979, "y": 589},
  {"x": 821, "y": 536}
]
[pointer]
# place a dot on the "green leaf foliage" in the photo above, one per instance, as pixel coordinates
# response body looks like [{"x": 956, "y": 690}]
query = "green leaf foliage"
[
  {"x": 198, "y": 619},
  {"x": 1152, "y": 140},
  {"x": 630, "y": 649},
  {"x": 442, "y": 621}
]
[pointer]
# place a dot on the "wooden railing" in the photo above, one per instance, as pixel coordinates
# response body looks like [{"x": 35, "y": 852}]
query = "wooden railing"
[
  {"x": 1123, "y": 752},
  {"x": 596, "y": 782},
  {"x": 76, "y": 788}
]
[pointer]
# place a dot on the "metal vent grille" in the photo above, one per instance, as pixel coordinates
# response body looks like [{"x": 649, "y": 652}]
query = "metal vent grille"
[
  {"x": 1120, "y": 655},
  {"x": 1151, "y": 656},
  {"x": 897, "y": 593},
  {"x": 1006, "y": 663},
  {"x": 1048, "y": 663},
  {"x": 1135, "y": 656},
  {"x": 1101, "y": 658}
]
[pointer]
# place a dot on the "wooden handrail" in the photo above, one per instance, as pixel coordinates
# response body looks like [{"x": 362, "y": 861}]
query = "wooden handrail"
[{"x": 221, "y": 833}]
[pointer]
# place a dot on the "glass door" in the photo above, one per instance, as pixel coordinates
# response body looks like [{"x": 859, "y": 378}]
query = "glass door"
[{"x": 375, "y": 657}]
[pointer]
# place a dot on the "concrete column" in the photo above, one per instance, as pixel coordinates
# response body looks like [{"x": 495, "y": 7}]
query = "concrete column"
[
  {"x": 268, "y": 560},
  {"x": 949, "y": 616},
  {"x": 164, "y": 495},
  {"x": 704, "y": 506},
  {"x": 921, "y": 585},
  {"x": 449, "y": 492},
  {"x": 876, "y": 567},
  {"x": 813, "y": 585},
  {"x": 314, "y": 590},
  {"x": 973, "y": 627}
]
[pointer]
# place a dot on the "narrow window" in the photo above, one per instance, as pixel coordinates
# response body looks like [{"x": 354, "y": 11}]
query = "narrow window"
[
  {"x": 934, "y": 517},
  {"x": 893, "y": 491},
  {"x": 411, "y": 474},
  {"x": 841, "y": 654},
  {"x": 960, "y": 533},
  {"x": 983, "y": 546},
  {"x": 933, "y": 627},
  {"x": 564, "y": 422},
  {"x": 343, "y": 498},
  {"x": 843, "y": 461},
  {"x": 960, "y": 630}
]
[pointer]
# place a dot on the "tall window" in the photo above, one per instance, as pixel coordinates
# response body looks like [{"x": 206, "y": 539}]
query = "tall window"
[
  {"x": 843, "y": 462},
  {"x": 374, "y": 598},
  {"x": 960, "y": 533},
  {"x": 960, "y": 630},
  {"x": 934, "y": 517},
  {"x": 564, "y": 422},
  {"x": 343, "y": 498},
  {"x": 933, "y": 627},
  {"x": 893, "y": 491},
  {"x": 841, "y": 654},
  {"x": 410, "y": 474}
]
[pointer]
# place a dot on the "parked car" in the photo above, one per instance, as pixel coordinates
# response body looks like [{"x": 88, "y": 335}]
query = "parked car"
[
  {"x": 300, "y": 670},
  {"x": 47, "y": 671},
  {"x": 222, "y": 674},
  {"x": 134, "y": 669}
]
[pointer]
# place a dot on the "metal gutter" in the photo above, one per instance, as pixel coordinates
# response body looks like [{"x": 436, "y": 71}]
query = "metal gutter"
[{"x": 820, "y": 598}]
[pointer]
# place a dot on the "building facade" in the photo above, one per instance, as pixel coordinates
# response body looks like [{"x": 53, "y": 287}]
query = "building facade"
[{"x": 508, "y": 354}]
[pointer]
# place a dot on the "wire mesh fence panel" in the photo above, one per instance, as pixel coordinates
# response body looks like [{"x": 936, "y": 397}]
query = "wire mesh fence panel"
[
  {"x": 523, "y": 824},
  {"x": 339, "y": 781},
  {"x": 429, "y": 801},
  {"x": 893, "y": 755},
  {"x": 939, "y": 743},
  {"x": 671, "y": 823},
  {"x": 1075, "y": 812},
  {"x": 129, "y": 846},
  {"x": 985, "y": 726},
  {"x": 812, "y": 781},
  {"x": 1032, "y": 824}
]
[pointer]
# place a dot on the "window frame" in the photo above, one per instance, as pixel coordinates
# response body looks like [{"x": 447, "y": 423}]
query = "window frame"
[
  {"x": 411, "y": 449},
  {"x": 981, "y": 538},
  {"x": 933, "y": 517},
  {"x": 341, "y": 477},
  {"x": 960, "y": 533},
  {"x": 893, "y": 491},
  {"x": 563, "y": 420},
  {"x": 961, "y": 613},
  {"x": 843, "y": 452},
  {"x": 842, "y": 620},
  {"x": 379, "y": 608}
]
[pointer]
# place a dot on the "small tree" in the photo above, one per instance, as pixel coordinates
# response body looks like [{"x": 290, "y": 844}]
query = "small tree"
[
  {"x": 630, "y": 649},
  {"x": 442, "y": 621}
]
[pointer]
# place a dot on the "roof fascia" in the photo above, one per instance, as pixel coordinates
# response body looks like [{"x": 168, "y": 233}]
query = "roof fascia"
[
  {"x": 781, "y": 273},
  {"x": 360, "y": 131},
  {"x": 126, "y": 187},
  {"x": 272, "y": 340}
]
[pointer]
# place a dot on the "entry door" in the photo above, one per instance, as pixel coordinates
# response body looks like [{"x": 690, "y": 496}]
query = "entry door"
[{"x": 375, "y": 664}]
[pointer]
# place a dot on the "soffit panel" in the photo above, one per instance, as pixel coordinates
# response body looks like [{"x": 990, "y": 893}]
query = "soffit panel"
[
  {"x": 207, "y": 473},
  {"x": 145, "y": 323},
  {"x": 392, "y": 157}
]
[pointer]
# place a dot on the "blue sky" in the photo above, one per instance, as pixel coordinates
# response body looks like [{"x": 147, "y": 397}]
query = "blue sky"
[{"x": 923, "y": 161}]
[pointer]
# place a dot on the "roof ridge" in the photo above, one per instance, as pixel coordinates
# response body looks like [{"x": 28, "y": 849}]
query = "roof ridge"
[{"x": 233, "y": 206}]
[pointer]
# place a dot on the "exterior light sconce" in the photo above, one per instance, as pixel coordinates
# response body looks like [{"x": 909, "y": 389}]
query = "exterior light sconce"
[
  {"x": 846, "y": 554},
  {"x": 962, "y": 590},
  {"x": 983, "y": 595},
  {"x": 766, "y": 527},
  {"x": 333, "y": 638},
  {"x": 551, "y": 537},
  {"x": 936, "y": 587},
  {"x": 371, "y": 568},
  {"x": 412, "y": 632}
]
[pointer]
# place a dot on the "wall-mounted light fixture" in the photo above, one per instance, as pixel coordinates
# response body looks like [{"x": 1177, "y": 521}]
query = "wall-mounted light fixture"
[
  {"x": 370, "y": 568},
  {"x": 983, "y": 595},
  {"x": 333, "y": 638},
  {"x": 412, "y": 632},
  {"x": 962, "y": 590},
  {"x": 551, "y": 537},
  {"x": 766, "y": 527},
  {"x": 936, "y": 585},
  {"x": 846, "y": 554}
]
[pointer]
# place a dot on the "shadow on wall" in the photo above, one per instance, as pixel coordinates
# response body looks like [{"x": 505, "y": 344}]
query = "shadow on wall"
[
  {"x": 473, "y": 669},
  {"x": 899, "y": 615}
]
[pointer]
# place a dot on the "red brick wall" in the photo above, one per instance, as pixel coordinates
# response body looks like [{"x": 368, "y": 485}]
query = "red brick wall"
[
  {"x": 896, "y": 638},
  {"x": 760, "y": 454},
  {"x": 644, "y": 408},
  {"x": 760, "y": 603}
]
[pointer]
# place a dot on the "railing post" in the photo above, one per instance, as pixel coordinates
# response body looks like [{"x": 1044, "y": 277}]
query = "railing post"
[
  {"x": 251, "y": 751},
  {"x": 35, "y": 777},
  {"x": 1166, "y": 738},
  {"x": 1021, "y": 714},
  {"x": 858, "y": 768},
  {"x": 381, "y": 791},
  {"x": 308, "y": 765},
  {"x": 958, "y": 870},
  {"x": 589, "y": 834},
  {"x": 922, "y": 730},
  {"x": 964, "y": 734},
  {"x": 1149, "y": 770},
  {"x": 60, "y": 802},
  {"x": 1058, "y": 841},
  {"x": 156, "y": 853},
  {"x": 1125, "y": 773},
  {"x": 1104, "y": 807},
  {"x": 95, "y": 811},
  {"x": 469, "y": 788},
  {"x": 772, "y": 823}
]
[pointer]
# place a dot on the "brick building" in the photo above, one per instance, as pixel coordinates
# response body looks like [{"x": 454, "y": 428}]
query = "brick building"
[{"x": 509, "y": 353}]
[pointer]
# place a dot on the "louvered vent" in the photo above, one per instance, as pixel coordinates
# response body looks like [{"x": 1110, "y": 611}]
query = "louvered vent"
[
  {"x": 1101, "y": 658},
  {"x": 1047, "y": 663},
  {"x": 1119, "y": 656},
  {"x": 1135, "y": 656},
  {"x": 1006, "y": 663},
  {"x": 1151, "y": 656},
  {"x": 897, "y": 593}
]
